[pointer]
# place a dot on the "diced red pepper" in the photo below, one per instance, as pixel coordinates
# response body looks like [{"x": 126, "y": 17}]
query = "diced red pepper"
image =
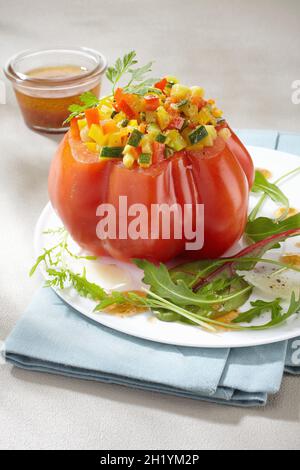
[
  {"x": 123, "y": 106},
  {"x": 92, "y": 116},
  {"x": 176, "y": 123},
  {"x": 152, "y": 102},
  {"x": 74, "y": 129},
  {"x": 200, "y": 102},
  {"x": 161, "y": 85},
  {"x": 158, "y": 152}
]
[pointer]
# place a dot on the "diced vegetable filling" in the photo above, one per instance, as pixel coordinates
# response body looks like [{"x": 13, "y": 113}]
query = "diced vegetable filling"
[{"x": 144, "y": 129}]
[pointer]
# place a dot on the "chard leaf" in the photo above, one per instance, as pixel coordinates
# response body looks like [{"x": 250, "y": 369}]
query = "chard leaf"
[{"x": 255, "y": 251}]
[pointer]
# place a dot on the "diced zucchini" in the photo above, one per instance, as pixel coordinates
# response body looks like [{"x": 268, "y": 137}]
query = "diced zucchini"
[
  {"x": 128, "y": 161},
  {"x": 180, "y": 104},
  {"x": 191, "y": 111},
  {"x": 198, "y": 135},
  {"x": 145, "y": 160},
  {"x": 211, "y": 130},
  {"x": 153, "y": 129},
  {"x": 112, "y": 152},
  {"x": 160, "y": 138},
  {"x": 175, "y": 140},
  {"x": 124, "y": 123},
  {"x": 135, "y": 138},
  {"x": 168, "y": 152}
]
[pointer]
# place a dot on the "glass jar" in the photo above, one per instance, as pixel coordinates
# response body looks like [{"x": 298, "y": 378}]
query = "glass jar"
[{"x": 47, "y": 81}]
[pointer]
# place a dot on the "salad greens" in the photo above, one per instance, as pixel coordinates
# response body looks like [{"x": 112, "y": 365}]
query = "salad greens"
[{"x": 201, "y": 292}]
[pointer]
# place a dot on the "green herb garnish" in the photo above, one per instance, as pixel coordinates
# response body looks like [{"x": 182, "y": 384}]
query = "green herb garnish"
[
  {"x": 88, "y": 100},
  {"x": 137, "y": 82}
]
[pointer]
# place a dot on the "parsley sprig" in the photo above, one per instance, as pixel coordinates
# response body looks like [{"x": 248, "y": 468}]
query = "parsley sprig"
[
  {"x": 88, "y": 100},
  {"x": 137, "y": 83}
]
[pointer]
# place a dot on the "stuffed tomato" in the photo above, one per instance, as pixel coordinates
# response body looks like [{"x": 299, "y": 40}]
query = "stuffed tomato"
[{"x": 167, "y": 146}]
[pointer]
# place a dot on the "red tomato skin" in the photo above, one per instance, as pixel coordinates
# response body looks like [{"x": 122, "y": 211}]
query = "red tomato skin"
[
  {"x": 241, "y": 154},
  {"x": 79, "y": 183}
]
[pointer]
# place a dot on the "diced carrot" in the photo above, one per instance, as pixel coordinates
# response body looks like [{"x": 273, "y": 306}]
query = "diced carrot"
[
  {"x": 92, "y": 116},
  {"x": 108, "y": 126}
]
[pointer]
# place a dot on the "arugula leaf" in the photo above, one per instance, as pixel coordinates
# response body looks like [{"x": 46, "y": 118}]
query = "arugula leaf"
[
  {"x": 264, "y": 227},
  {"x": 88, "y": 100},
  {"x": 159, "y": 279},
  {"x": 258, "y": 308},
  {"x": 262, "y": 199},
  {"x": 278, "y": 319},
  {"x": 63, "y": 278},
  {"x": 261, "y": 184}
]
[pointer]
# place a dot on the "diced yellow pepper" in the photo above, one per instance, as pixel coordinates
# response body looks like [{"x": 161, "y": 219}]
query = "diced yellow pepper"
[
  {"x": 115, "y": 139},
  {"x": 163, "y": 117},
  {"x": 175, "y": 140},
  {"x": 92, "y": 146},
  {"x": 180, "y": 92},
  {"x": 217, "y": 113},
  {"x": 225, "y": 133},
  {"x": 197, "y": 92},
  {"x": 204, "y": 116},
  {"x": 171, "y": 79},
  {"x": 81, "y": 123},
  {"x": 133, "y": 123},
  {"x": 198, "y": 146},
  {"x": 97, "y": 134},
  {"x": 105, "y": 112},
  {"x": 119, "y": 117}
]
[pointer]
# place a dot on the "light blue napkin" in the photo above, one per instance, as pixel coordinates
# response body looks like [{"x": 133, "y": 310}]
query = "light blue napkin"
[{"x": 52, "y": 337}]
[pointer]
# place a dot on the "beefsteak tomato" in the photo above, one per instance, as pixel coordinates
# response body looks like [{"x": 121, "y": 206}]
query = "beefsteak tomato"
[{"x": 218, "y": 177}]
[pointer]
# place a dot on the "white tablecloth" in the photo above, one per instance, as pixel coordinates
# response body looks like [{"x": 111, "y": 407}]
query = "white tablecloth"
[{"x": 243, "y": 54}]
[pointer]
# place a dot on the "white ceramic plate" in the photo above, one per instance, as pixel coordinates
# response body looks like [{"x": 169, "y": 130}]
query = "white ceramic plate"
[{"x": 146, "y": 325}]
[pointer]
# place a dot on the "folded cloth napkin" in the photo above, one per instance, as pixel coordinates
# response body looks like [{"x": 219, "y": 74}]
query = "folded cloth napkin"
[{"x": 52, "y": 337}]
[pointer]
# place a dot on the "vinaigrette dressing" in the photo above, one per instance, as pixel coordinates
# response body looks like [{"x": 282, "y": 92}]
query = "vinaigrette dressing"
[{"x": 48, "y": 109}]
